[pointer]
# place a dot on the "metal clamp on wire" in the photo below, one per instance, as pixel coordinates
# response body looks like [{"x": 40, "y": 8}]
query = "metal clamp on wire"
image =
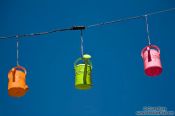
[{"x": 78, "y": 27}]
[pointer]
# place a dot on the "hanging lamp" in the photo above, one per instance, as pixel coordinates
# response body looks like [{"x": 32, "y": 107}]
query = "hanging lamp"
[
  {"x": 83, "y": 69},
  {"x": 17, "y": 86},
  {"x": 151, "y": 57}
]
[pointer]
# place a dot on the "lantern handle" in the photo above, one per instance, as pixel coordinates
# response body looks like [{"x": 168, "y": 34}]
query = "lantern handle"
[
  {"x": 150, "y": 46},
  {"x": 17, "y": 68},
  {"x": 20, "y": 68},
  {"x": 82, "y": 59}
]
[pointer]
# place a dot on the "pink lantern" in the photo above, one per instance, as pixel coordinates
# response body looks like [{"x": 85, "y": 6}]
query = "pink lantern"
[{"x": 151, "y": 58}]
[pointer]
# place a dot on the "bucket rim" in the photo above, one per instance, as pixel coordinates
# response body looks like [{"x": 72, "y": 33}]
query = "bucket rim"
[
  {"x": 89, "y": 65},
  {"x": 81, "y": 59}
]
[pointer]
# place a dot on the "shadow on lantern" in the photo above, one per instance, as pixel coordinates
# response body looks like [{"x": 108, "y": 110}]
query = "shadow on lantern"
[
  {"x": 17, "y": 82},
  {"x": 151, "y": 58},
  {"x": 83, "y": 70}
]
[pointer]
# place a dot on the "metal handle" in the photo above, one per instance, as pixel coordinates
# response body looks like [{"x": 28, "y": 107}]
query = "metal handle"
[
  {"x": 81, "y": 59},
  {"x": 17, "y": 68},
  {"x": 151, "y": 47}
]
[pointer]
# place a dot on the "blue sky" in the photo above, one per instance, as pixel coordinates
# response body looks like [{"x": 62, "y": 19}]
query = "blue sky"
[{"x": 120, "y": 86}]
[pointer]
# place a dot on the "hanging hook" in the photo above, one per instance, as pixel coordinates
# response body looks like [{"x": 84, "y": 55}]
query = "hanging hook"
[{"x": 147, "y": 29}]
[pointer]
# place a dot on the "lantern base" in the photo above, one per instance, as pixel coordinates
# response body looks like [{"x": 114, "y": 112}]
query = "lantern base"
[
  {"x": 17, "y": 92},
  {"x": 83, "y": 86},
  {"x": 153, "y": 71}
]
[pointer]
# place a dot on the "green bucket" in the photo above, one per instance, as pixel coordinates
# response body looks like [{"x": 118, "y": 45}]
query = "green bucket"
[{"x": 83, "y": 72}]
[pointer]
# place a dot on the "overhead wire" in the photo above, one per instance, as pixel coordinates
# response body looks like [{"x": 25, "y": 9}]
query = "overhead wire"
[
  {"x": 88, "y": 26},
  {"x": 130, "y": 18},
  {"x": 35, "y": 34}
]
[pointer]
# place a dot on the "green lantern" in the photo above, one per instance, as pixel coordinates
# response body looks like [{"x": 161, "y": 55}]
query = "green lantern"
[{"x": 83, "y": 72}]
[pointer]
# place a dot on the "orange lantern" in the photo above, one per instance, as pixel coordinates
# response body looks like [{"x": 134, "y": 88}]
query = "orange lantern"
[{"x": 17, "y": 81}]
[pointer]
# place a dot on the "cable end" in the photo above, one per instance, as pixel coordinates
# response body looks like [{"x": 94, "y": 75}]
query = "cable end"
[{"x": 78, "y": 27}]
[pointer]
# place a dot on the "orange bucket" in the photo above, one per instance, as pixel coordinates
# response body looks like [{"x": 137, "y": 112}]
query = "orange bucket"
[{"x": 17, "y": 81}]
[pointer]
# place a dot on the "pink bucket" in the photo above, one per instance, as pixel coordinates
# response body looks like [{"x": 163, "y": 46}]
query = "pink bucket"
[{"x": 151, "y": 58}]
